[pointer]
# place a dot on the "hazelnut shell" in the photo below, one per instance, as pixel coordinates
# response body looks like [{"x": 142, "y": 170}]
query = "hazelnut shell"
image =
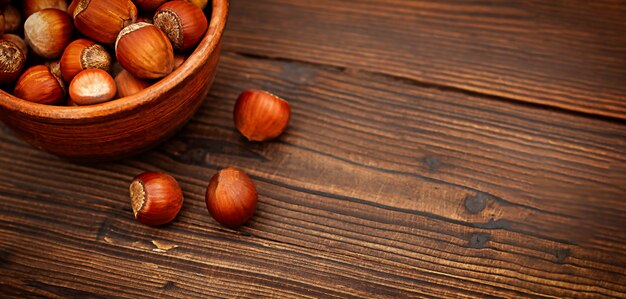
[
  {"x": 50, "y": 89},
  {"x": 144, "y": 51},
  {"x": 30, "y": 7},
  {"x": 149, "y": 5},
  {"x": 12, "y": 19},
  {"x": 231, "y": 197},
  {"x": 199, "y": 3},
  {"x": 260, "y": 115},
  {"x": 102, "y": 20},
  {"x": 83, "y": 54},
  {"x": 18, "y": 41},
  {"x": 12, "y": 61},
  {"x": 128, "y": 85},
  {"x": 156, "y": 198},
  {"x": 48, "y": 32},
  {"x": 183, "y": 22},
  {"x": 92, "y": 86}
]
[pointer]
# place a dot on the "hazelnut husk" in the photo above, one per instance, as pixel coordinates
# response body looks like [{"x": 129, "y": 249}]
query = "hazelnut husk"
[
  {"x": 83, "y": 54},
  {"x": 12, "y": 61},
  {"x": 48, "y": 32},
  {"x": 38, "y": 84},
  {"x": 92, "y": 86},
  {"x": 260, "y": 115},
  {"x": 144, "y": 51},
  {"x": 184, "y": 23},
  {"x": 102, "y": 20},
  {"x": 231, "y": 197}
]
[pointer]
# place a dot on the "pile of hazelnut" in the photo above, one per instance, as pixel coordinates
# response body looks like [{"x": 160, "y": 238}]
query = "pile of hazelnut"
[{"x": 65, "y": 55}]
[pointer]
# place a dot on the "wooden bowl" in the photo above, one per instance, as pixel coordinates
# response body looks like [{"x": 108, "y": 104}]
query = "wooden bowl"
[{"x": 126, "y": 126}]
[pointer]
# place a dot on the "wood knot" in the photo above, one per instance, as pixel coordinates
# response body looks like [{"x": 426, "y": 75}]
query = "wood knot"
[
  {"x": 168, "y": 286},
  {"x": 561, "y": 255},
  {"x": 479, "y": 240},
  {"x": 433, "y": 163},
  {"x": 477, "y": 203}
]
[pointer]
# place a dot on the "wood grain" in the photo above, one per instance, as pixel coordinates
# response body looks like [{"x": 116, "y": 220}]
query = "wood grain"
[
  {"x": 380, "y": 188},
  {"x": 565, "y": 54}
]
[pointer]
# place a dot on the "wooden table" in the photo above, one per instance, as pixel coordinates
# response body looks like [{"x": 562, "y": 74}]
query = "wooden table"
[{"x": 455, "y": 149}]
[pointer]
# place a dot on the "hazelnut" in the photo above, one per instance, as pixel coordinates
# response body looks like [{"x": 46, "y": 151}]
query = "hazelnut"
[
  {"x": 231, "y": 197},
  {"x": 199, "y": 3},
  {"x": 156, "y": 198},
  {"x": 38, "y": 84},
  {"x": 55, "y": 69},
  {"x": 182, "y": 22},
  {"x": 72, "y": 7},
  {"x": 12, "y": 61},
  {"x": 149, "y": 5},
  {"x": 48, "y": 32},
  {"x": 260, "y": 115},
  {"x": 18, "y": 41},
  {"x": 144, "y": 51},
  {"x": 1, "y": 21},
  {"x": 84, "y": 54},
  {"x": 92, "y": 86},
  {"x": 128, "y": 85},
  {"x": 30, "y": 7},
  {"x": 102, "y": 20},
  {"x": 116, "y": 68},
  {"x": 179, "y": 60},
  {"x": 12, "y": 19},
  {"x": 142, "y": 19}
]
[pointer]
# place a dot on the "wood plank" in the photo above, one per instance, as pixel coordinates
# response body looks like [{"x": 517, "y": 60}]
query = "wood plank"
[
  {"x": 565, "y": 54},
  {"x": 379, "y": 188}
]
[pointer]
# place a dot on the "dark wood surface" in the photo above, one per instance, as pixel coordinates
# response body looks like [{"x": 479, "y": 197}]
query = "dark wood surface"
[{"x": 450, "y": 149}]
